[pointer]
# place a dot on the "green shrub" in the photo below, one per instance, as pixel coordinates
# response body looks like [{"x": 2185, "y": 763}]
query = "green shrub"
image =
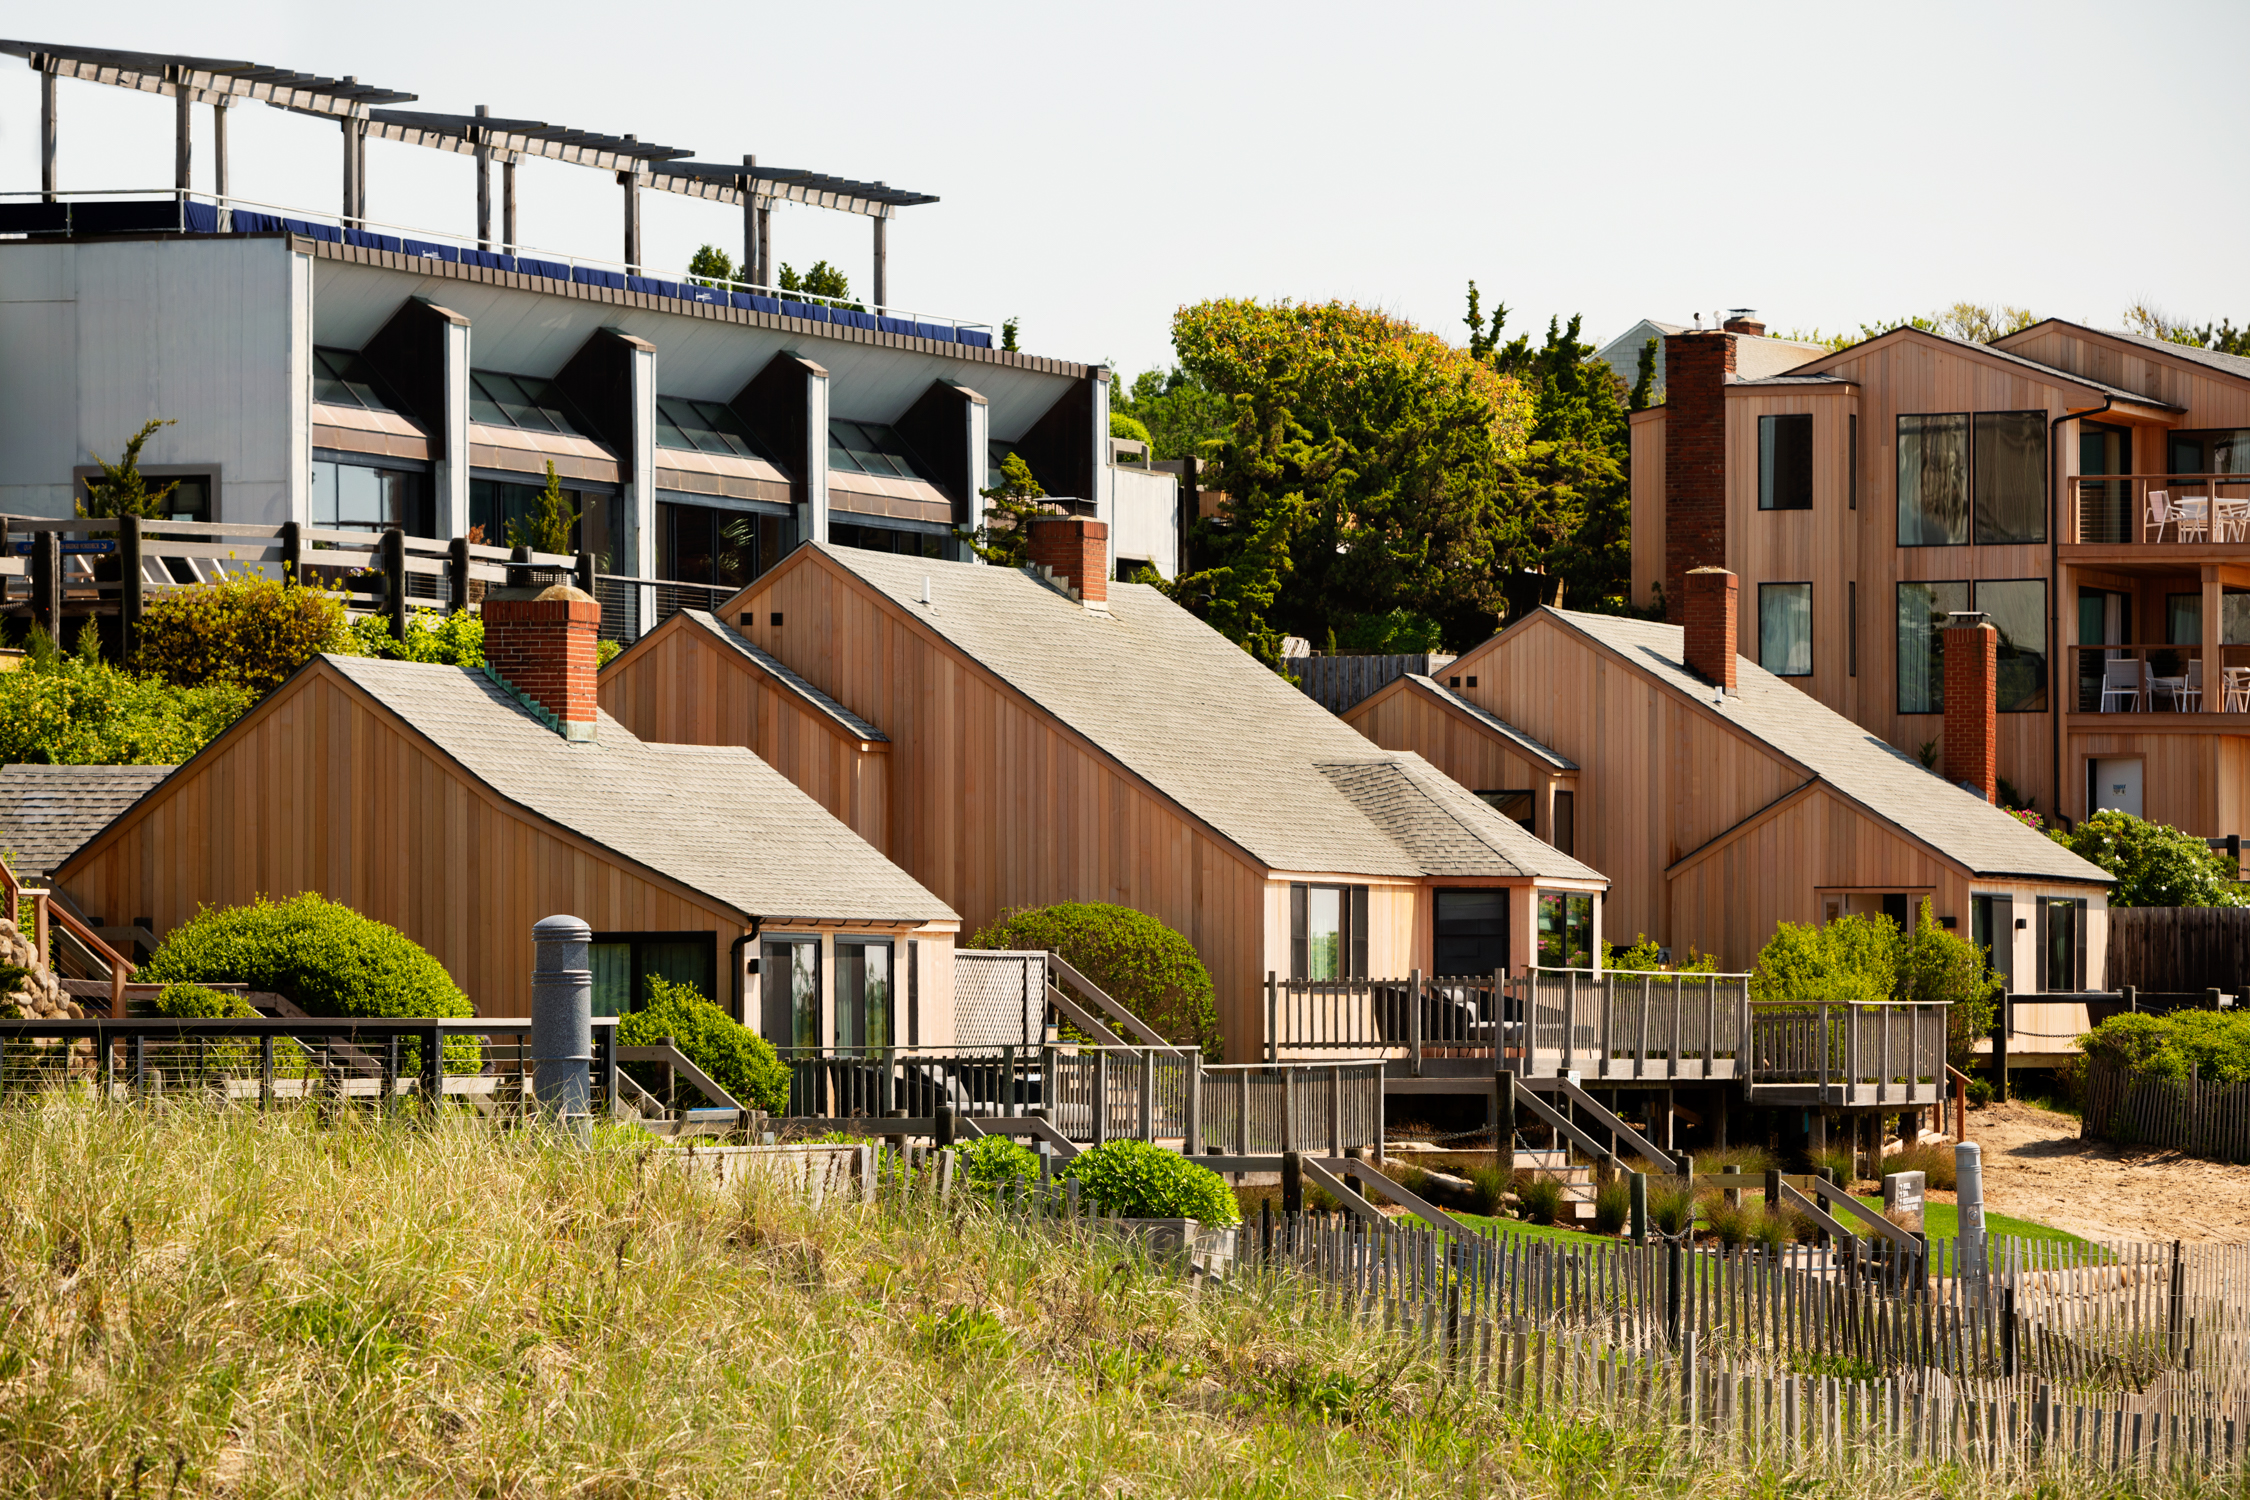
[
  {"x": 1613, "y": 1205},
  {"x": 1138, "y": 961},
  {"x": 78, "y": 710},
  {"x": 249, "y": 632},
  {"x": 2216, "y": 1043},
  {"x": 1492, "y": 1186},
  {"x": 1863, "y": 959},
  {"x": 2155, "y": 864},
  {"x": 1645, "y": 957},
  {"x": 1836, "y": 1159},
  {"x": 1730, "y": 1223},
  {"x": 1671, "y": 1204},
  {"x": 1753, "y": 1160},
  {"x": 1771, "y": 1228},
  {"x": 1979, "y": 1091},
  {"x": 192, "y": 1002},
  {"x": 323, "y": 955},
  {"x": 990, "y": 1160},
  {"x": 1538, "y": 1199},
  {"x": 1136, "y": 1180},
  {"x": 1935, "y": 1163},
  {"x": 453, "y": 640},
  {"x": 738, "y": 1059}
]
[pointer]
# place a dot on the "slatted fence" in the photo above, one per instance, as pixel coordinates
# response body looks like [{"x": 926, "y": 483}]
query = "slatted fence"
[{"x": 2192, "y": 1114}]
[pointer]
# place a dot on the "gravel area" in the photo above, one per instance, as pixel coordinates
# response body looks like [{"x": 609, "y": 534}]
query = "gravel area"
[{"x": 2036, "y": 1167}]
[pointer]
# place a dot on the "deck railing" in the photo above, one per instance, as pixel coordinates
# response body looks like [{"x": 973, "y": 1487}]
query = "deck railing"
[
  {"x": 2114, "y": 509},
  {"x": 1853, "y": 1053},
  {"x": 1411, "y": 1018}
]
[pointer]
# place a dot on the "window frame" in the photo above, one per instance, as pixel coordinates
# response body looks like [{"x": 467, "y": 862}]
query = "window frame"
[
  {"x": 1973, "y": 423},
  {"x": 1776, "y": 589},
  {"x": 1566, "y": 900},
  {"x": 703, "y": 937},
  {"x": 838, "y": 1019},
  {"x": 1769, "y": 461},
  {"x": 2046, "y": 651},
  {"x": 1937, "y": 655},
  {"x": 1352, "y": 934},
  {"x": 1506, "y": 936},
  {"x": 795, "y": 1023}
]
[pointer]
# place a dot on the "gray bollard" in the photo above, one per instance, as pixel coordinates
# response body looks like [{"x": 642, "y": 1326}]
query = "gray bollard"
[
  {"x": 562, "y": 1025},
  {"x": 1968, "y": 1181}
]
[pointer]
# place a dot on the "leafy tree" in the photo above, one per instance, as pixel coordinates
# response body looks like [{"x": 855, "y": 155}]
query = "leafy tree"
[
  {"x": 1005, "y": 536},
  {"x": 1937, "y": 968},
  {"x": 122, "y": 491},
  {"x": 553, "y": 526},
  {"x": 1973, "y": 322},
  {"x": 1124, "y": 425},
  {"x": 248, "y": 631},
  {"x": 823, "y": 281},
  {"x": 1394, "y": 632},
  {"x": 714, "y": 267},
  {"x": 79, "y": 710},
  {"x": 1645, "y": 390},
  {"x": 2155, "y": 864},
  {"x": 1865, "y": 959},
  {"x": 1183, "y": 415},
  {"x": 2222, "y": 337},
  {"x": 1645, "y": 956},
  {"x": 1363, "y": 465},
  {"x": 1136, "y": 960},
  {"x": 1008, "y": 334}
]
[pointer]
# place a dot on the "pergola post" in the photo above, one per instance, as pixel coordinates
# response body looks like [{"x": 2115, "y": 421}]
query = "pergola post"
[
  {"x": 630, "y": 179},
  {"x": 484, "y": 184},
  {"x": 351, "y": 169},
  {"x": 183, "y": 133},
  {"x": 749, "y": 221},
  {"x": 765, "y": 243},
  {"x": 219, "y": 147},
  {"x": 508, "y": 204},
  {"x": 359, "y": 173},
  {"x": 47, "y": 131},
  {"x": 882, "y": 258}
]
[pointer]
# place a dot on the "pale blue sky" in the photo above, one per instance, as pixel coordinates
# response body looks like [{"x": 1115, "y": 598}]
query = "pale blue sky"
[{"x": 1099, "y": 166}]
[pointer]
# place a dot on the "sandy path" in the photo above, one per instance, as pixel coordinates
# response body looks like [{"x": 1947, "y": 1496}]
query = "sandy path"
[{"x": 2036, "y": 1168}]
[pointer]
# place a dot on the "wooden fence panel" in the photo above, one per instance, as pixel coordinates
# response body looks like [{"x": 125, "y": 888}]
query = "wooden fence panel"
[{"x": 2179, "y": 948}]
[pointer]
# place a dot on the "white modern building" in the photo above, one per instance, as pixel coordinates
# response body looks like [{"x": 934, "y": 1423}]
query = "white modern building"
[{"x": 318, "y": 368}]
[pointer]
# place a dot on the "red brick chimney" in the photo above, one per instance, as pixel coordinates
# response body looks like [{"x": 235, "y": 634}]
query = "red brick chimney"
[
  {"x": 1745, "y": 323},
  {"x": 1074, "y": 552},
  {"x": 542, "y": 649},
  {"x": 1972, "y": 722},
  {"x": 1696, "y": 366},
  {"x": 1707, "y": 612}
]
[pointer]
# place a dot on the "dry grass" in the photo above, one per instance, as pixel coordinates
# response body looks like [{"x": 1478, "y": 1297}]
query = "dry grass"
[{"x": 214, "y": 1303}]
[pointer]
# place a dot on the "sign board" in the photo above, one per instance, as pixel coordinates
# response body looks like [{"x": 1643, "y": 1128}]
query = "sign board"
[
  {"x": 96, "y": 547},
  {"x": 1903, "y": 1198}
]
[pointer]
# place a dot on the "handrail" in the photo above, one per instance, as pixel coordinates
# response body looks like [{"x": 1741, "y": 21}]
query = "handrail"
[
  {"x": 1822, "y": 1188},
  {"x": 1344, "y": 1192},
  {"x": 1080, "y": 1018},
  {"x": 1360, "y": 1172},
  {"x": 121, "y": 969},
  {"x": 1094, "y": 992},
  {"x": 1592, "y": 1147},
  {"x": 664, "y": 1053},
  {"x": 1602, "y": 1116},
  {"x": 1791, "y": 1198}
]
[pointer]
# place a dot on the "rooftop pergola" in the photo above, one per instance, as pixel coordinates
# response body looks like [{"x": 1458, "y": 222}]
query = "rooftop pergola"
[{"x": 357, "y": 107}]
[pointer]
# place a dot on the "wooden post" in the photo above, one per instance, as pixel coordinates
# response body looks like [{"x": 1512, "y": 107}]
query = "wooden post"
[
  {"x": 1292, "y": 1182},
  {"x": 183, "y": 132},
  {"x": 882, "y": 262},
  {"x": 1503, "y": 1118},
  {"x": 292, "y": 551},
  {"x": 265, "y": 1070},
  {"x": 1335, "y": 1109},
  {"x": 393, "y": 554},
  {"x": 47, "y": 126},
  {"x": 1289, "y": 1141},
  {"x": 1569, "y": 1017},
  {"x": 1242, "y": 1114},
  {"x": 1414, "y": 1020},
  {"x": 583, "y": 572},
  {"x": 433, "y": 1068},
  {"x": 1273, "y": 1017},
  {"x": 457, "y": 574},
  {"x": 484, "y": 182},
  {"x": 2004, "y": 1021},
  {"x": 941, "y": 1126},
  {"x": 508, "y": 204},
  {"x": 1637, "y": 1184},
  {"x": 219, "y": 181},
  {"x": 1101, "y": 1096},
  {"x": 1193, "y": 1145},
  {"x": 1773, "y": 1187},
  {"x": 1148, "y": 1095},
  {"x": 129, "y": 586},
  {"x": 47, "y": 584}
]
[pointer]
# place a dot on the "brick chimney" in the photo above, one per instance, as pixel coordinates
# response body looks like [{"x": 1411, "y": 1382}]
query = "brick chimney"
[
  {"x": 1073, "y": 552},
  {"x": 541, "y": 648},
  {"x": 1707, "y": 612},
  {"x": 1743, "y": 320},
  {"x": 1696, "y": 366},
  {"x": 1972, "y": 668}
]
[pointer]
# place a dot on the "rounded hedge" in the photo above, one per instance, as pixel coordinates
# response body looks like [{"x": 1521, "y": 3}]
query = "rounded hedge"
[
  {"x": 990, "y": 1160},
  {"x": 737, "y": 1058},
  {"x": 1135, "y": 1180},
  {"x": 323, "y": 955},
  {"x": 1139, "y": 962},
  {"x": 192, "y": 1002}
]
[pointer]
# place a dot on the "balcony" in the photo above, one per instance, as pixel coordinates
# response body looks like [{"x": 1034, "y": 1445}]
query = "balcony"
[
  {"x": 2161, "y": 687},
  {"x": 2181, "y": 518}
]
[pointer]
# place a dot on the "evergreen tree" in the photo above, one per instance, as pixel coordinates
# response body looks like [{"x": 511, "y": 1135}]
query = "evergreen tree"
[
  {"x": 1645, "y": 392},
  {"x": 1005, "y": 536},
  {"x": 122, "y": 491},
  {"x": 553, "y": 524}
]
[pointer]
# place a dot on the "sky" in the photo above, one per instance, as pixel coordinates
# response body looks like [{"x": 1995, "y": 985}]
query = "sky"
[{"x": 1099, "y": 167}]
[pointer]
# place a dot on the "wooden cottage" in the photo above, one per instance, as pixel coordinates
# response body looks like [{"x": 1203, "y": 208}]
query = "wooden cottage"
[
  {"x": 1021, "y": 737},
  {"x": 463, "y": 806},
  {"x": 1723, "y": 801}
]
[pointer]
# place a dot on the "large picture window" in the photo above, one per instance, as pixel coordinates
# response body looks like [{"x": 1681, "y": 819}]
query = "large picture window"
[
  {"x": 863, "y": 994},
  {"x": 624, "y": 962},
  {"x": 601, "y": 528},
  {"x": 361, "y": 497},
  {"x": 1785, "y": 628},
  {"x": 2214, "y": 451},
  {"x": 2016, "y": 607},
  {"x": 789, "y": 991},
  {"x": 1566, "y": 930},
  {"x": 1327, "y": 931},
  {"x": 1972, "y": 476},
  {"x": 1785, "y": 463}
]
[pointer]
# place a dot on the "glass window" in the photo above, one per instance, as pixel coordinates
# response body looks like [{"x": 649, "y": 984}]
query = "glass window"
[
  {"x": 703, "y": 544},
  {"x": 1327, "y": 931},
  {"x": 886, "y": 539},
  {"x": 863, "y": 994},
  {"x": 602, "y": 519},
  {"x": 623, "y": 963},
  {"x": 2010, "y": 467},
  {"x": 1785, "y": 628},
  {"x": 362, "y": 497},
  {"x": 523, "y": 401},
  {"x": 2183, "y": 619},
  {"x": 2214, "y": 451},
  {"x": 1933, "y": 480},
  {"x": 704, "y": 427},
  {"x": 342, "y": 377},
  {"x": 789, "y": 990},
  {"x": 2062, "y": 943},
  {"x": 1470, "y": 932},
  {"x": 1516, "y": 805},
  {"x": 1785, "y": 463},
  {"x": 1566, "y": 930},
  {"x": 1922, "y": 611},
  {"x": 2017, "y": 608},
  {"x": 871, "y": 448}
]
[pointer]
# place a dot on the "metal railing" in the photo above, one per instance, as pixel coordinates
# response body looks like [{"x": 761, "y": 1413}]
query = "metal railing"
[{"x": 2116, "y": 510}]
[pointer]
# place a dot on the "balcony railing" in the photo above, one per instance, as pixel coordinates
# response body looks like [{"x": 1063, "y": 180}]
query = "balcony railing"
[
  {"x": 2157, "y": 509},
  {"x": 2159, "y": 680}
]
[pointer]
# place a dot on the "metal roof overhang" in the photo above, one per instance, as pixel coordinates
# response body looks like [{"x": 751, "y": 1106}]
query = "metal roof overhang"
[{"x": 209, "y": 80}]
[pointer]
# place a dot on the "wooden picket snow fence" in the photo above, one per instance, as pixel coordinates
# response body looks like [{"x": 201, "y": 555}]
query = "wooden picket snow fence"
[{"x": 2177, "y": 1114}]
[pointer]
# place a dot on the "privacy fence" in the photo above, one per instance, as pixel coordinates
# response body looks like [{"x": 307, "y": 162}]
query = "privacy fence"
[
  {"x": 2198, "y": 1116},
  {"x": 2179, "y": 948}
]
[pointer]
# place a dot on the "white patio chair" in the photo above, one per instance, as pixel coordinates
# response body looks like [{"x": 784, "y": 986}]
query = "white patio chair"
[
  {"x": 2122, "y": 679},
  {"x": 2237, "y": 700},
  {"x": 2191, "y": 514},
  {"x": 2187, "y": 698},
  {"x": 2230, "y": 519},
  {"x": 2157, "y": 513}
]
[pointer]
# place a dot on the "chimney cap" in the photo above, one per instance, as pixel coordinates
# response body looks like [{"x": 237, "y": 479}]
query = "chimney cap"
[
  {"x": 1964, "y": 619},
  {"x": 565, "y": 591}
]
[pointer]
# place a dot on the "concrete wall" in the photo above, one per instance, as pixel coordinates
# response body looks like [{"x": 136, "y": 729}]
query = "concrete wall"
[{"x": 1145, "y": 517}]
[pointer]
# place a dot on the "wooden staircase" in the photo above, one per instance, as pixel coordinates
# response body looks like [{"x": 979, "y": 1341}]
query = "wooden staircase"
[{"x": 1577, "y": 1179}]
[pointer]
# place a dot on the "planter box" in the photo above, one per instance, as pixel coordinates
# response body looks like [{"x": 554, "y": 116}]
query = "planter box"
[{"x": 1208, "y": 1252}]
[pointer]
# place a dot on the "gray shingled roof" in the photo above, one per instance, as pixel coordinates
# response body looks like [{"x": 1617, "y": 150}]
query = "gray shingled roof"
[
  {"x": 1495, "y": 723},
  {"x": 1186, "y": 710},
  {"x": 716, "y": 818},
  {"x": 765, "y": 661},
  {"x": 1855, "y": 761},
  {"x": 48, "y": 812},
  {"x": 1445, "y": 828}
]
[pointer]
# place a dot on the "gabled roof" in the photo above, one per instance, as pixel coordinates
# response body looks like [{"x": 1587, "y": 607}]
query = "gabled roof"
[
  {"x": 1887, "y": 781},
  {"x": 47, "y": 813},
  {"x": 1994, "y": 351},
  {"x": 1199, "y": 721},
  {"x": 785, "y": 679},
  {"x": 1757, "y": 356},
  {"x": 1488, "y": 719},
  {"x": 1444, "y": 827},
  {"x": 2210, "y": 359},
  {"x": 717, "y": 819}
]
